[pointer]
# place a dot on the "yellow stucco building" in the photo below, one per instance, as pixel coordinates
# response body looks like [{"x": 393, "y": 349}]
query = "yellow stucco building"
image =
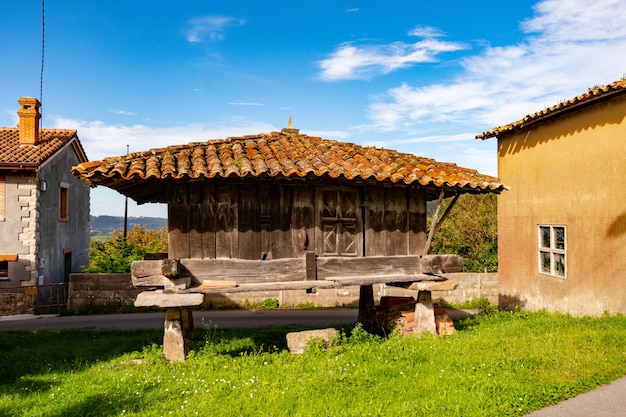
[{"x": 562, "y": 224}]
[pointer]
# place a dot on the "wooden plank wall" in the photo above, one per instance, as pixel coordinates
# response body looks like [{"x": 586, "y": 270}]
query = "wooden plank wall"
[
  {"x": 230, "y": 220},
  {"x": 395, "y": 221}
]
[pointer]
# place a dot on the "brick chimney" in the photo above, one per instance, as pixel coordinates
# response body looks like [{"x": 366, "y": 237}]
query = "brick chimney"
[{"x": 28, "y": 125}]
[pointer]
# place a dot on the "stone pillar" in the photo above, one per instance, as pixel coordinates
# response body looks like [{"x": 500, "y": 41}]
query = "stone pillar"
[
  {"x": 424, "y": 313},
  {"x": 178, "y": 332},
  {"x": 178, "y": 328}
]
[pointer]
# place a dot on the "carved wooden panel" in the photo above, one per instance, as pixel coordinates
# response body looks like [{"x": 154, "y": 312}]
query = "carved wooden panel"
[{"x": 340, "y": 222}]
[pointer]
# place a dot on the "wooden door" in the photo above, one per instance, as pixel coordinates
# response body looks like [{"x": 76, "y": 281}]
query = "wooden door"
[{"x": 339, "y": 222}]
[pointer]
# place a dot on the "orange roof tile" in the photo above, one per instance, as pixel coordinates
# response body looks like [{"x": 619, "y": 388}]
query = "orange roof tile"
[
  {"x": 16, "y": 156},
  {"x": 286, "y": 154},
  {"x": 591, "y": 96}
]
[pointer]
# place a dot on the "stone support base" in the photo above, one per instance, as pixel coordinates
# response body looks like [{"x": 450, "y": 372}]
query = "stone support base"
[
  {"x": 424, "y": 313},
  {"x": 178, "y": 333}
]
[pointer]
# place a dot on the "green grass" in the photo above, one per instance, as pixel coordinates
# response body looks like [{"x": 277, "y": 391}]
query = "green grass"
[{"x": 499, "y": 364}]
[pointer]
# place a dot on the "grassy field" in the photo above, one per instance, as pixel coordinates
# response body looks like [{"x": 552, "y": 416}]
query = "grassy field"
[{"x": 498, "y": 364}]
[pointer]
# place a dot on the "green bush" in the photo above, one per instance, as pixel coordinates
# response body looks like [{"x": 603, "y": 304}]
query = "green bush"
[
  {"x": 471, "y": 231},
  {"x": 116, "y": 254}
]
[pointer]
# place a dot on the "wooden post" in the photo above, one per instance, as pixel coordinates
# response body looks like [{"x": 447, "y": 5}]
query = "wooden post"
[
  {"x": 366, "y": 304},
  {"x": 424, "y": 313},
  {"x": 436, "y": 221}
]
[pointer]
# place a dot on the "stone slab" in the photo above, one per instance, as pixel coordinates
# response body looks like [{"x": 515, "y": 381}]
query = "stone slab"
[{"x": 159, "y": 298}]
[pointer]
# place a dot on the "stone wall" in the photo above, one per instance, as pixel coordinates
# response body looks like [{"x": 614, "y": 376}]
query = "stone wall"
[
  {"x": 100, "y": 292},
  {"x": 93, "y": 292}
]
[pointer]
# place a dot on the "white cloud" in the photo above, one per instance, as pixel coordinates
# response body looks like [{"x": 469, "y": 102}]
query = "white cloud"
[
  {"x": 101, "y": 140},
  {"x": 353, "y": 62},
  {"x": 212, "y": 27},
  {"x": 437, "y": 138},
  {"x": 245, "y": 103},
  {"x": 426, "y": 32},
  {"x": 569, "y": 46},
  {"x": 328, "y": 134},
  {"x": 122, "y": 112}
]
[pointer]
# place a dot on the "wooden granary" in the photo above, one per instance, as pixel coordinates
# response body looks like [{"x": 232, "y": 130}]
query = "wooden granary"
[{"x": 285, "y": 210}]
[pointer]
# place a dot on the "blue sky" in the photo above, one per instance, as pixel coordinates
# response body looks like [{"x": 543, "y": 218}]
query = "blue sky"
[{"x": 417, "y": 76}]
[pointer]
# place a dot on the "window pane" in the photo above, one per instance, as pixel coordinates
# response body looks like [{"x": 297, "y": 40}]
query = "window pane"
[
  {"x": 559, "y": 264},
  {"x": 545, "y": 262},
  {"x": 545, "y": 236},
  {"x": 559, "y": 237}
]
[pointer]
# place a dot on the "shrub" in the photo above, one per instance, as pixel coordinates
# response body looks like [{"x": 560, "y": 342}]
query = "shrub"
[{"x": 116, "y": 254}]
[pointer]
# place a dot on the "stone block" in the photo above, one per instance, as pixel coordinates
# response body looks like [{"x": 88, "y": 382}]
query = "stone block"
[
  {"x": 160, "y": 298},
  {"x": 297, "y": 342}
]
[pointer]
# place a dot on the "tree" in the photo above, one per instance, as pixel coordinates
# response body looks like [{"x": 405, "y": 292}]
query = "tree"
[
  {"x": 116, "y": 254},
  {"x": 471, "y": 231}
]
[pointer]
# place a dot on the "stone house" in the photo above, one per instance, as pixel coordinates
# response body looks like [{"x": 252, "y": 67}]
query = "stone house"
[
  {"x": 44, "y": 209},
  {"x": 562, "y": 225}
]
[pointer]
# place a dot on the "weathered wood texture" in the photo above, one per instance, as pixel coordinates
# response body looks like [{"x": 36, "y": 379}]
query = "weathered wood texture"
[
  {"x": 245, "y": 271},
  {"x": 395, "y": 221},
  {"x": 166, "y": 267},
  {"x": 371, "y": 265},
  {"x": 346, "y": 281},
  {"x": 258, "y": 220},
  {"x": 302, "y": 221},
  {"x": 439, "y": 264},
  {"x": 338, "y": 221},
  {"x": 444, "y": 285},
  {"x": 268, "y": 286}
]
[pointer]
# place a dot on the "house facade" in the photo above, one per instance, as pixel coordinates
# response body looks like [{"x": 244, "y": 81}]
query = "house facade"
[
  {"x": 562, "y": 224},
  {"x": 44, "y": 209}
]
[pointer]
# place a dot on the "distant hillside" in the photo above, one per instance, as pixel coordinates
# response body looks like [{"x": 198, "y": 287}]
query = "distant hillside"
[{"x": 107, "y": 224}]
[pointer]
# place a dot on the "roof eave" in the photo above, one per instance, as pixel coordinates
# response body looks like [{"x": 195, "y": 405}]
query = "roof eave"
[
  {"x": 521, "y": 124},
  {"x": 19, "y": 166}
]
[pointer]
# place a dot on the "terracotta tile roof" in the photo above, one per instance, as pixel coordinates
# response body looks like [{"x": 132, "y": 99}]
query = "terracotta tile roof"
[
  {"x": 16, "y": 156},
  {"x": 286, "y": 154},
  {"x": 591, "y": 96}
]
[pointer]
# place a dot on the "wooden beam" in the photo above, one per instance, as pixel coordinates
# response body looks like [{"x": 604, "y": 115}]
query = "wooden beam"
[
  {"x": 349, "y": 280},
  {"x": 439, "y": 264},
  {"x": 427, "y": 285},
  {"x": 166, "y": 267},
  {"x": 328, "y": 266},
  {"x": 436, "y": 222},
  {"x": 267, "y": 286},
  {"x": 245, "y": 270}
]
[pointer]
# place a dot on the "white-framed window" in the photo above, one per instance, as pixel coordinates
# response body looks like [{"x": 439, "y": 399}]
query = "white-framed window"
[{"x": 552, "y": 250}]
